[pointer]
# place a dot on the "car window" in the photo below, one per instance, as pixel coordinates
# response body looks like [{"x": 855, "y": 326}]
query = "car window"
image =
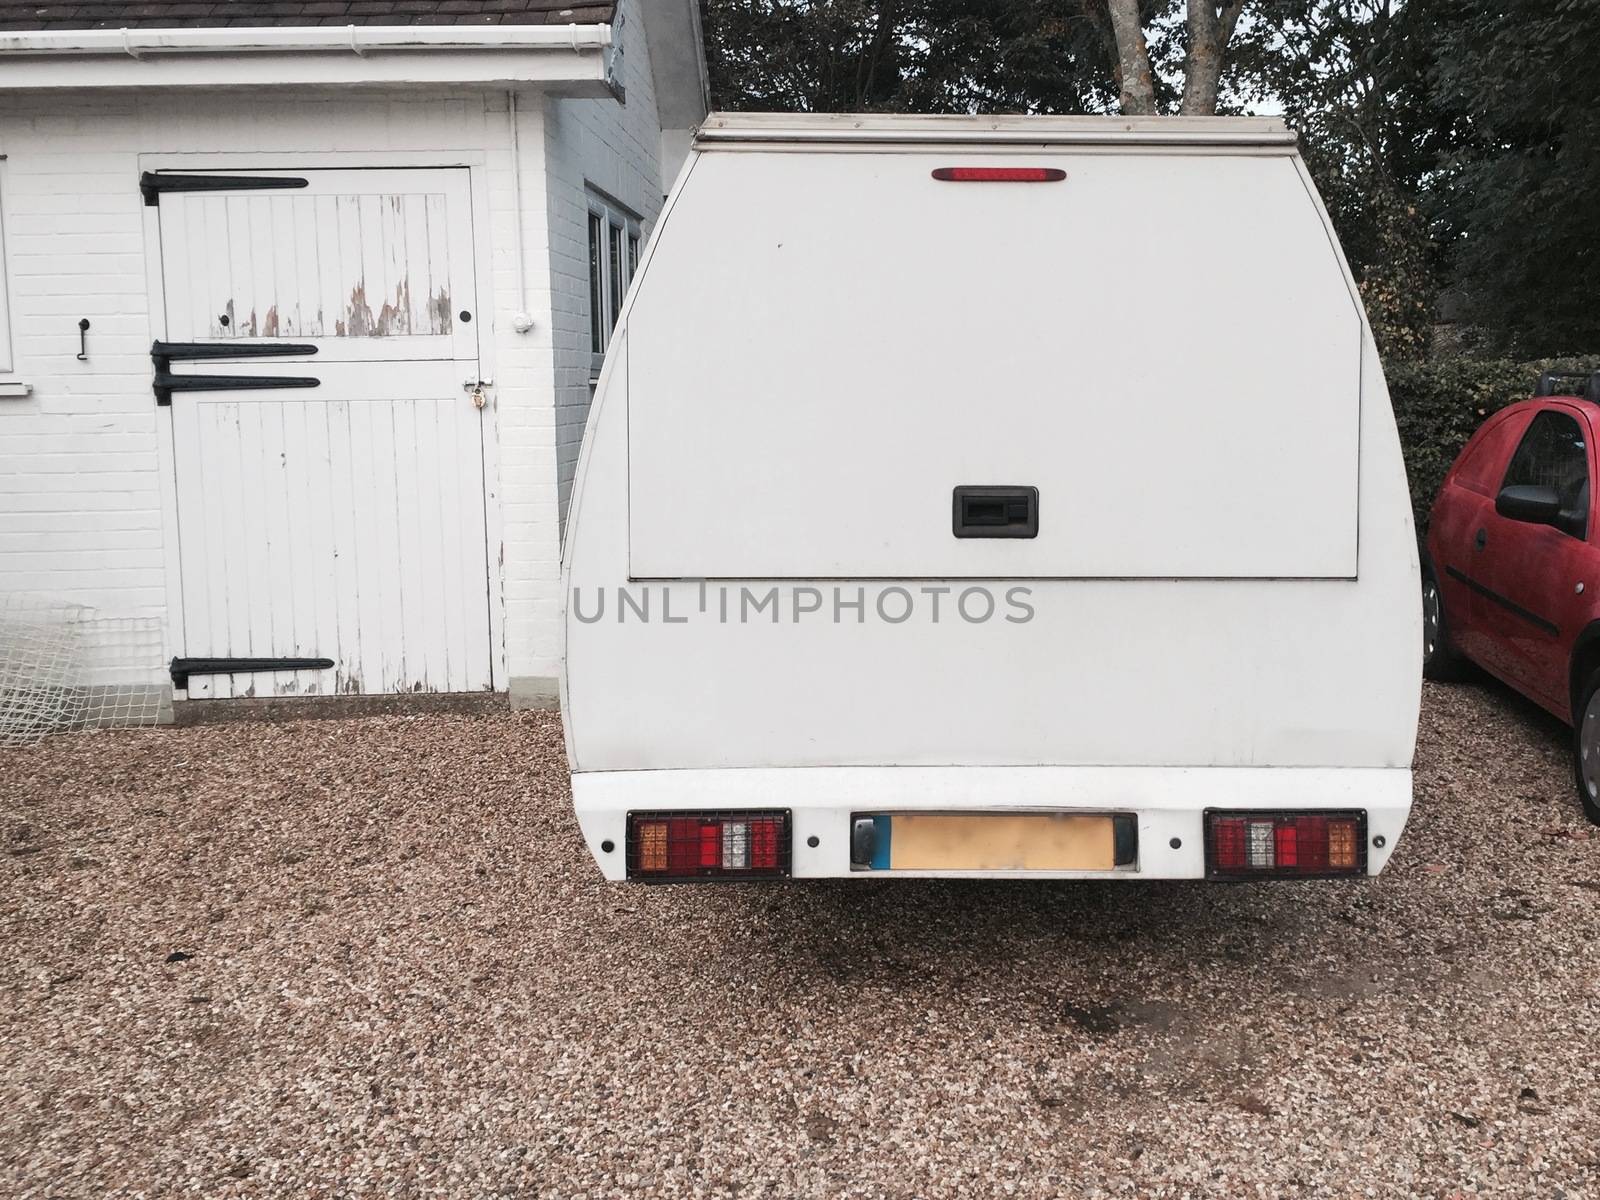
[
  {"x": 1484, "y": 461},
  {"x": 1553, "y": 454}
]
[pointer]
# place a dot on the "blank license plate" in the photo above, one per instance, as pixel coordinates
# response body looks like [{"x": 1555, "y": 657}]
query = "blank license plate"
[{"x": 1001, "y": 842}]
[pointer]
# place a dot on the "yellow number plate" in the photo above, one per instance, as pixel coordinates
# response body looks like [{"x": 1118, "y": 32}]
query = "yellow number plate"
[{"x": 1002, "y": 842}]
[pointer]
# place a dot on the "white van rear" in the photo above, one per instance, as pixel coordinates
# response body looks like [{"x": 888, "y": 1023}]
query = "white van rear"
[{"x": 1005, "y": 496}]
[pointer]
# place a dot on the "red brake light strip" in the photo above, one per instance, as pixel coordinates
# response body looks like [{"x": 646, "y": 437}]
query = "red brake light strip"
[{"x": 999, "y": 174}]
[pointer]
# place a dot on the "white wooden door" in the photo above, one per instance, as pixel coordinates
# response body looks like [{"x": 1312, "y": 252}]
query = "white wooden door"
[{"x": 343, "y": 521}]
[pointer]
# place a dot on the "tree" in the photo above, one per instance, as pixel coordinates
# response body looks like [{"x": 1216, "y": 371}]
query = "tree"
[
  {"x": 974, "y": 56},
  {"x": 793, "y": 56},
  {"x": 1010, "y": 56},
  {"x": 905, "y": 56},
  {"x": 1355, "y": 79},
  {"x": 1455, "y": 142},
  {"x": 1136, "y": 84},
  {"x": 1209, "y": 28},
  {"x": 1520, "y": 198}
]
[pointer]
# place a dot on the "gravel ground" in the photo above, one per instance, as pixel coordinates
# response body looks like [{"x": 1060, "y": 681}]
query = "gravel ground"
[{"x": 371, "y": 957}]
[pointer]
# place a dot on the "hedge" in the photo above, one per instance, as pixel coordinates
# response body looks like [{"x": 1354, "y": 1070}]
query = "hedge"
[{"x": 1439, "y": 404}]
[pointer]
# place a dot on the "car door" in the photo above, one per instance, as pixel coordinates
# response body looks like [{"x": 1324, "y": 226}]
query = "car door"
[
  {"x": 1458, "y": 535},
  {"x": 1530, "y": 575}
]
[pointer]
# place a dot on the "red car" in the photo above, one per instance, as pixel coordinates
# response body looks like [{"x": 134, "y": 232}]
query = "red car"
[{"x": 1511, "y": 574}]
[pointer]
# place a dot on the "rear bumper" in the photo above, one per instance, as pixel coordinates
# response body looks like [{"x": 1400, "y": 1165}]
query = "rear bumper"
[{"x": 1167, "y": 803}]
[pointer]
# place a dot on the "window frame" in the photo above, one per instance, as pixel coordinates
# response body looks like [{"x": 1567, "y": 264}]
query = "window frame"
[
  {"x": 608, "y": 288},
  {"x": 1575, "y": 525},
  {"x": 616, "y": 270},
  {"x": 595, "y": 225}
]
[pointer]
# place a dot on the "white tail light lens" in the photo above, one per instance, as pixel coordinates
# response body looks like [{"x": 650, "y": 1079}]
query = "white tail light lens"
[
  {"x": 735, "y": 844},
  {"x": 1258, "y": 845}
]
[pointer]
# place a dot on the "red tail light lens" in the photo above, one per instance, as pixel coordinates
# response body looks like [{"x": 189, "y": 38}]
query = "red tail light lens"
[
  {"x": 672, "y": 846},
  {"x": 764, "y": 838},
  {"x": 1225, "y": 843},
  {"x": 1285, "y": 845},
  {"x": 999, "y": 174}
]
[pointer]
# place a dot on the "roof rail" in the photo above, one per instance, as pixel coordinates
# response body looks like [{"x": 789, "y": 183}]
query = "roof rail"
[
  {"x": 1551, "y": 384},
  {"x": 725, "y": 129}
]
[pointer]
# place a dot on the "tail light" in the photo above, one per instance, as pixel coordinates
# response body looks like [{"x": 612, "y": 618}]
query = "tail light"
[
  {"x": 1285, "y": 845},
  {"x": 749, "y": 844},
  {"x": 999, "y": 174}
]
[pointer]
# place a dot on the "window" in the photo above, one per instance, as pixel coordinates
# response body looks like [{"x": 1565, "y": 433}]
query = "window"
[
  {"x": 1553, "y": 454},
  {"x": 614, "y": 235}
]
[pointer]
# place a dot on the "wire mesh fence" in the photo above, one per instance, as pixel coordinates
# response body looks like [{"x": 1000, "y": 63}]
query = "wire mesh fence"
[
  {"x": 39, "y": 659},
  {"x": 64, "y": 667}
]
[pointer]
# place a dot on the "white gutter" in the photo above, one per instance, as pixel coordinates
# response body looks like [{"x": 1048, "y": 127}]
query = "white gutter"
[
  {"x": 566, "y": 60},
  {"x": 357, "y": 39}
]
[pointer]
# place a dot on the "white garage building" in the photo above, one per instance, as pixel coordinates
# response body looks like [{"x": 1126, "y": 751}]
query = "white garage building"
[{"x": 300, "y": 311}]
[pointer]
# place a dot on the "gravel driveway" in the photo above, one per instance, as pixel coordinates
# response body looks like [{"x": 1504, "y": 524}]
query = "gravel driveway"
[{"x": 371, "y": 957}]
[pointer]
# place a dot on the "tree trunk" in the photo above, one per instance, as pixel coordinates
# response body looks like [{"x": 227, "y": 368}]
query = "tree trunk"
[
  {"x": 1133, "y": 59},
  {"x": 1209, "y": 32}
]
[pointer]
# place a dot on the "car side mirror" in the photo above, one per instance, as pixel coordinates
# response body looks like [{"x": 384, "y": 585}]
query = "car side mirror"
[{"x": 1530, "y": 502}]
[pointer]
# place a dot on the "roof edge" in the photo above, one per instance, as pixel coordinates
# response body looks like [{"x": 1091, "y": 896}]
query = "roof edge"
[
  {"x": 290, "y": 39},
  {"x": 881, "y": 128}
]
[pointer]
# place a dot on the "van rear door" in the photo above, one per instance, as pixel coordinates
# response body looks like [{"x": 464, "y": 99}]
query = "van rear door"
[{"x": 1161, "y": 342}]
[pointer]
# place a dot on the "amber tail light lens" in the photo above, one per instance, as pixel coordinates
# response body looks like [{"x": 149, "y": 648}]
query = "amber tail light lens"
[
  {"x": 676, "y": 846},
  {"x": 1265, "y": 844}
]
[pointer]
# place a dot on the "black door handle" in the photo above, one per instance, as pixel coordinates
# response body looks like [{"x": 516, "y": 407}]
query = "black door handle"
[{"x": 1481, "y": 538}]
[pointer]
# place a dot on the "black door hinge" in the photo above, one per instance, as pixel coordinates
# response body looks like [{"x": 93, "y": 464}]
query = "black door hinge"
[
  {"x": 152, "y": 184},
  {"x": 165, "y": 383},
  {"x": 182, "y": 668}
]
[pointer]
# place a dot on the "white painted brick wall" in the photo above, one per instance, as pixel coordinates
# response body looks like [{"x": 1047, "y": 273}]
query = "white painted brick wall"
[
  {"x": 615, "y": 148},
  {"x": 81, "y": 502}
]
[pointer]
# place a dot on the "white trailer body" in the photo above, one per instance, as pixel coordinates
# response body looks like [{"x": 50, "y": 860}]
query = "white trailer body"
[{"x": 992, "y": 496}]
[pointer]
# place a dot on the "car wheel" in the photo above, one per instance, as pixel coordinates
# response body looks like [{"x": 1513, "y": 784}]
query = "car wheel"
[
  {"x": 1438, "y": 660},
  {"x": 1586, "y": 748}
]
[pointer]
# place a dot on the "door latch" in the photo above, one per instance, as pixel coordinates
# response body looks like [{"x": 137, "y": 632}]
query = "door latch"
[{"x": 475, "y": 389}]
